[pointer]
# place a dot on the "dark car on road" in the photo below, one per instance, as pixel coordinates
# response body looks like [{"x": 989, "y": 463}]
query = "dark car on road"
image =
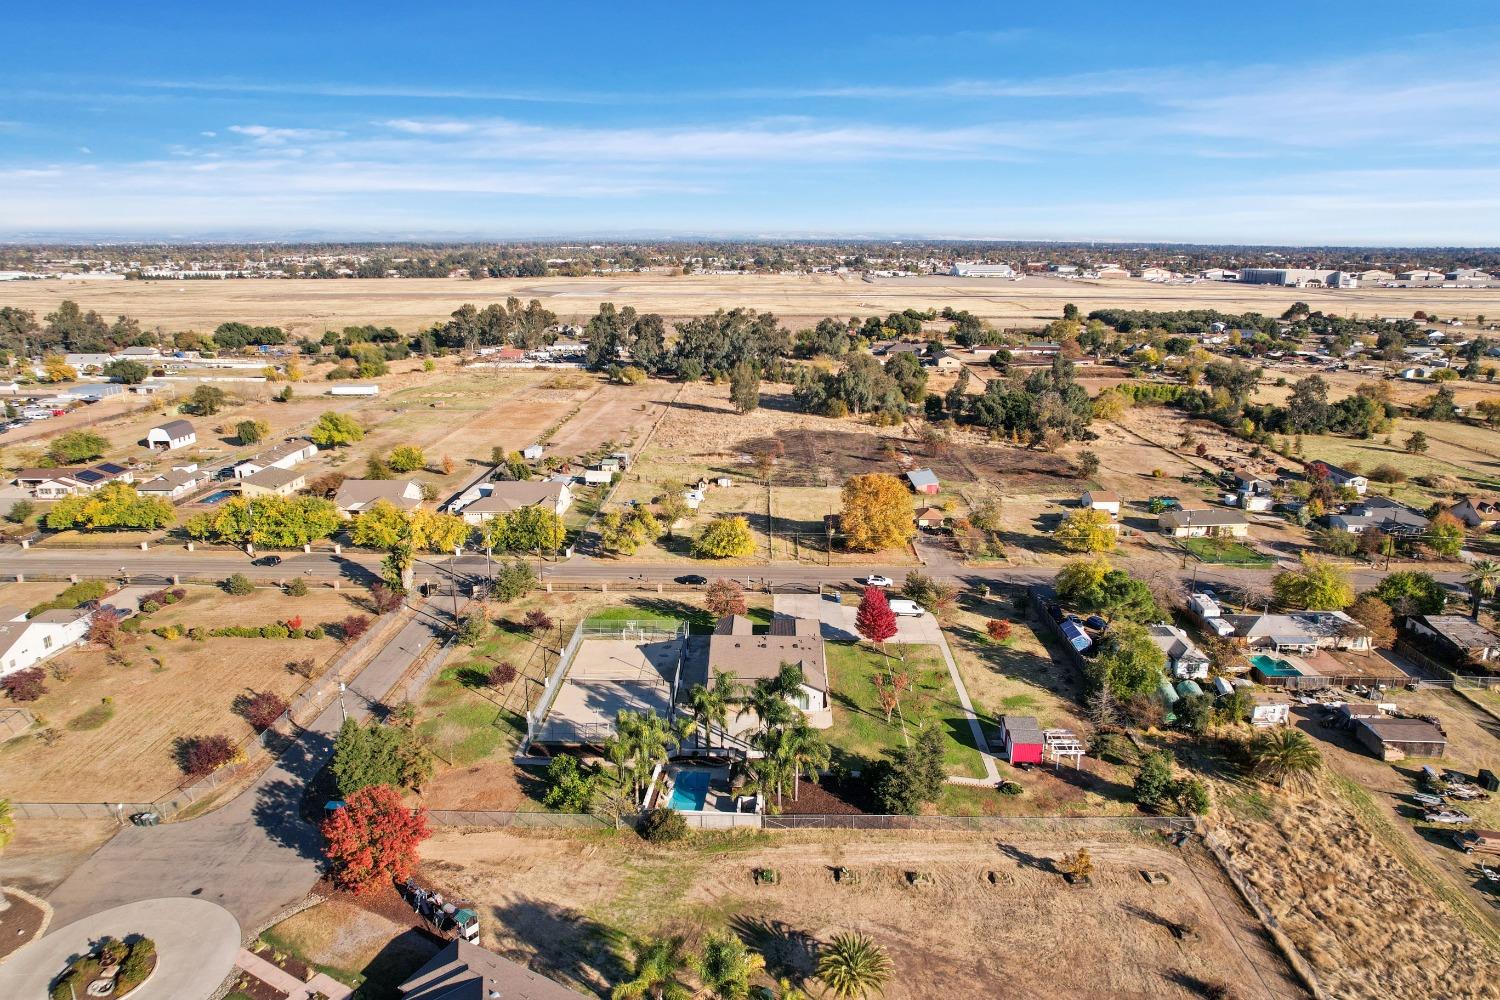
[
  {"x": 693, "y": 580},
  {"x": 267, "y": 561}
]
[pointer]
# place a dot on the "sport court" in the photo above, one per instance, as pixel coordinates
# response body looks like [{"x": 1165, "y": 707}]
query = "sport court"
[{"x": 606, "y": 676}]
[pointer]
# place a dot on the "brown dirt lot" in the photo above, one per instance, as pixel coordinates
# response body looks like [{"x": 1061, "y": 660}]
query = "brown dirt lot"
[
  {"x": 123, "y": 748},
  {"x": 564, "y": 903},
  {"x": 310, "y": 306}
]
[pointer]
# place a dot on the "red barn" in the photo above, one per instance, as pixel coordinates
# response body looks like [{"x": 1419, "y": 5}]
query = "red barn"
[
  {"x": 923, "y": 481},
  {"x": 1022, "y": 739}
]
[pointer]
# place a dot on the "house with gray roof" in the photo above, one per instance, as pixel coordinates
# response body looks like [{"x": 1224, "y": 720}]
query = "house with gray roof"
[
  {"x": 464, "y": 971},
  {"x": 1300, "y": 631}
]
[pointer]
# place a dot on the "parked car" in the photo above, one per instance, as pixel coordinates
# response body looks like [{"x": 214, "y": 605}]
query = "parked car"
[
  {"x": 1448, "y": 816},
  {"x": 693, "y": 580},
  {"x": 1096, "y": 623},
  {"x": 907, "y": 609},
  {"x": 1423, "y": 799},
  {"x": 1478, "y": 841},
  {"x": 876, "y": 580}
]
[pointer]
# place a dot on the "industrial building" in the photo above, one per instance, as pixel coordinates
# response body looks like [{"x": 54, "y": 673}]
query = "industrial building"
[
  {"x": 964, "y": 269},
  {"x": 1298, "y": 277}
]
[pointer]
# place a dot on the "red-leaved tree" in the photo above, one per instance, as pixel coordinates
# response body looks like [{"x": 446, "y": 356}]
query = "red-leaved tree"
[
  {"x": 383, "y": 599},
  {"x": 261, "y": 709},
  {"x": 723, "y": 598},
  {"x": 354, "y": 626},
  {"x": 373, "y": 838},
  {"x": 998, "y": 628},
  {"x": 875, "y": 620},
  {"x": 200, "y": 755},
  {"x": 25, "y": 685},
  {"x": 536, "y": 620}
]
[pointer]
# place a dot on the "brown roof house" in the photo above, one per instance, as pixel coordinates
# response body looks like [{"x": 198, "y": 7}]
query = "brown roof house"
[
  {"x": 1397, "y": 739},
  {"x": 750, "y": 656},
  {"x": 931, "y": 517},
  {"x": 356, "y": 495},
  {"x": 464, "y": 971}
]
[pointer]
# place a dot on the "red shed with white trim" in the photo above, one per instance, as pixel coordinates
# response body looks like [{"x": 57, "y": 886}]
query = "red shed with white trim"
[{"x": 1022, "y": 739}]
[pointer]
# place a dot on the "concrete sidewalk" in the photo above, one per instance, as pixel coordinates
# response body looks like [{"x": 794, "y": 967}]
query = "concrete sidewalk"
[{"x": 254, "y": 856}]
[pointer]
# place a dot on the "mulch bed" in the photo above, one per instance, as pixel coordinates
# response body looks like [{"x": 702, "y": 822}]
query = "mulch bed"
[
  {"x": 294, "y": 967},
  {"x": 385, "y": 900},
  {"x": 820, "y": 798},
  {"x": 18, "y": 924},
  {"x": 254, "y": 988}
]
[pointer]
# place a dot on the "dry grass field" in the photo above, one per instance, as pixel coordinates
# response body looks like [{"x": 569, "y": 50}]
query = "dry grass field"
[
  {"x": 994, "y": 914},
  {"x": 1372, "y": 927},
  {"x": 311, "y": 306},
  {"x": 111, "y": 727}
]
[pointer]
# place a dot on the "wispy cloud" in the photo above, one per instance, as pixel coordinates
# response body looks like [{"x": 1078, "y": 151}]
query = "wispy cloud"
[{"x": 272, "y": 136}]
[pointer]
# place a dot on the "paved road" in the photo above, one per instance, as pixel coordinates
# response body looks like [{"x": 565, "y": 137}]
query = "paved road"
[
  {"x": 166, "y": 561},
  {"x": 196, "y": 943},
  {"x": 254, "y": 856}
]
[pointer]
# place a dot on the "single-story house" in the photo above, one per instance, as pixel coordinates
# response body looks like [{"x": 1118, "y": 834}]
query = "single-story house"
[
  {"x": 1461, "y": 637},
  {"x": 26, "y": 642},
  {"x": 354, "y": 390},
  {"x": 1021, "y": 738},
  {"x": 502, "y": 497},
  {"x": 1105, "y": 500},
  {"x": 94, "y": 393},
  {"x": 83, "y": 362},
  {"x": 286, "y": 455},
  {"x": 170, "y": 435},
  {"x": 1300, "y": 631},
  {"x": 1203, "y": 523},
  {"x": 923, "y": 481},
  {"x": 749, "y": 656},
  {"x": 1270, "y": 710},
  {"x": 1482, "y": 514},
  {"x": 52, "y": 484},
  {"x": 1185, "y": 660},
  {"x": 1395, "y": 739},
  {"x": 1382, "y": 514},
  {"x": 356, "y": 495},
  {"x": 597, "y": 476},
  {"x": 171, "y": 485},
  {"x": 464, "y": 971},
  {"x": 1338, "y": 477},
  {"x": 945, "y": 361},
  {"x": 531, "y": 452},
  {"x": 1036, "y": 349},
  {"x": 273, "y": 481},
  {"x": 931, "y": 517}
]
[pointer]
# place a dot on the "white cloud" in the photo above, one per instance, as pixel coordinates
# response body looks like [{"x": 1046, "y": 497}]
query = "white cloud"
[{"x": 270, "y": 136}]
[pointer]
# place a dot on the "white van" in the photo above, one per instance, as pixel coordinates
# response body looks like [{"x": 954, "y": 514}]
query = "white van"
[{"x": 907, "y": 609}]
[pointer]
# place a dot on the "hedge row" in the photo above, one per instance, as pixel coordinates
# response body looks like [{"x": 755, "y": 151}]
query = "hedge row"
[{"x": 277, "y": 631}]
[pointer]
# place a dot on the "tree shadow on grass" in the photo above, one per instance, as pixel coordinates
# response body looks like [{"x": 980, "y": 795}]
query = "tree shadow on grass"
[
  {"x": 788, "y": 952},
  {"x": 564, "y": 944},
  {"x": 1028, "y": 860}
]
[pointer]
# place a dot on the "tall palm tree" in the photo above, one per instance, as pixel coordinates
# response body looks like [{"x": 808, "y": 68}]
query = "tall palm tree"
[
  {"x": 725, "y": 967},
  {"x": 1284, "y": 755},
  {"x": 657, "y": 973},
  {"x": 727, "y": 691},
  {"x": 775, "y": 766},
  {"x": 1482, "y": 578},
  {"x": 768, "y": 701},
  {"x": 853, "y": 966},
  {"x": 808, "y": 752}
]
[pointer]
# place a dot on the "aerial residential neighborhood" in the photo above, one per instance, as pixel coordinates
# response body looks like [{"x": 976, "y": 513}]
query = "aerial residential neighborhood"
[{"x": 761, "y": 505}]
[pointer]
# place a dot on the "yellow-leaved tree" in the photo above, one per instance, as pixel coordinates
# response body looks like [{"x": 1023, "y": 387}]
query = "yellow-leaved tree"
[{"x": 877, "y": 513}]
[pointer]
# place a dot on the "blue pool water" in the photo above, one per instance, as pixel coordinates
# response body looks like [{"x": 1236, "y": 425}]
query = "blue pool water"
[
  {"x": 690, "y": 791},
  {"x": 217, "y": 496},
  {"x": 1270, "y": 666}
]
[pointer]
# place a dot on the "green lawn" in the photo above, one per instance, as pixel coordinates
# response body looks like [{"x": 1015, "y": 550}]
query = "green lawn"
[
  {"x": 463, "y": 720},
  {"x": 699, "y": 621},
  {"x": 1225, "y": 552},
  {"x": 859, "y": 726}
]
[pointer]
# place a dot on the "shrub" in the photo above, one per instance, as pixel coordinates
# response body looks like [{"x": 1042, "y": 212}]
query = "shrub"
[
  {"x": 197, "y": 633},
  {"x": 296, "y": 587},
  {"x": 261, "y": 709},
  {"x": 502, "y": 674},
  {"x": 302, "y": 668},
  {"x": 79, "y": 593},
  {"x": 25, "y": 685},
  {"x": 999, "y": 629},
  {"x": 316, "y": 632},
  {"x": 354, "y": 626},
  {"x": 1010, "y": 788},
  {"x": 384, "y": 599},
  {"x": 276, "y": 631},
  {"x": 663, "y": 826},
  {"x": 138, "y": 964},
  {"x": 536, "y": 621},
  {"x": 200, "y": 755},
  {"x": 294, "y": 623},
  {"x": 149, "y": 607},
  {"x": 239, "y": 585}
]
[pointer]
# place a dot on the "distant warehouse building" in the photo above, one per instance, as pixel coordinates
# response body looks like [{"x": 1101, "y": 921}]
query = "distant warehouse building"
[
  {"x": 1395, "y": 739},
  {"x": 354, "y": 390},
  {"x": 964, "y": 269},
  {"x": 1298, "y": 277}
]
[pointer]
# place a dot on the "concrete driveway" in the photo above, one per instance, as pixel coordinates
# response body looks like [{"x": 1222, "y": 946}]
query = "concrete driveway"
[
  {"x": 838, "y": 619},
  {"x": 196, "y": 944}
]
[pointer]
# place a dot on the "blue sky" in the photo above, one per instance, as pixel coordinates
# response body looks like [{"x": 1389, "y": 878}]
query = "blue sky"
[{"x": 1269, "y": 123}]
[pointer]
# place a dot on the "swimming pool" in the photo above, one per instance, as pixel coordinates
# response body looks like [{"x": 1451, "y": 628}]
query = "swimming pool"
[
  {"x": 218, "y": 496},
  {"x": 1270, "y": 666},
  {"x": 690, "y": 791}
]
